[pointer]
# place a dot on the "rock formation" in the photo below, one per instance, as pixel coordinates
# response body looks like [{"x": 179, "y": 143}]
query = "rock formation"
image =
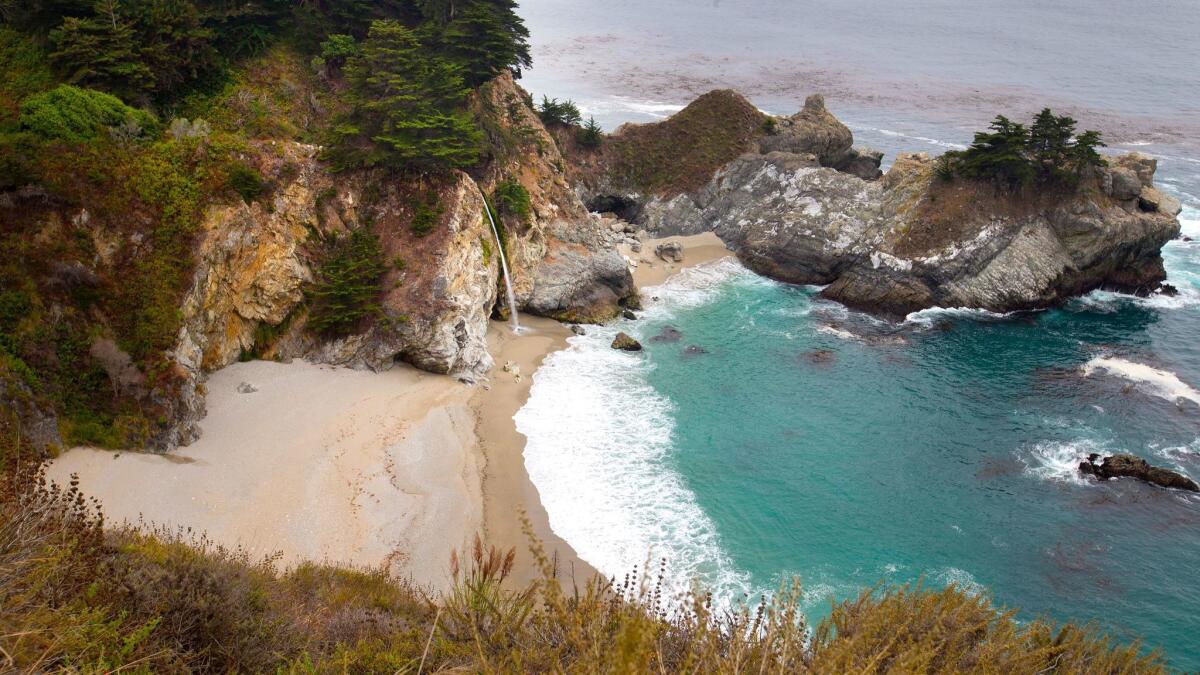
[
  {"x": 563, "y": 258},
  {"x": 798, "y": 209},
  {"x": 1129, "y": 466},
  {"x": 626, "y": 343}
]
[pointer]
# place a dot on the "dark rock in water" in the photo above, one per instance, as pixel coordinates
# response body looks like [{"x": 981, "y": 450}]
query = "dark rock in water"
[
  {"x": 820, "y": 357},
  {"x": 668, "y": 334},
  {"x": 670, "y": 252},
  {"x": 1118, "y": 466},
  {"x": 694, "y": 350},
  {"x": 577, "y": 329},
  {"x": 626, "y": 343},
  {"x": 628, "y": 314},
  {"x": 1168, "y": 290}
]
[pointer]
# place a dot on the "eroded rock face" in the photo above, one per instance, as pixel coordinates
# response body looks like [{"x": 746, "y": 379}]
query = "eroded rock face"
[
  {"x": 253, "y": 263},
  {"x": 563, "y": 259},
  {"x": 962, "y": 244},
  {"x": 1129, "y": 466}
]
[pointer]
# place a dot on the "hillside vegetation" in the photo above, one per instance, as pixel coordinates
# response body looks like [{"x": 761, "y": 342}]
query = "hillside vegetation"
[
  {"x": 123, "y": 121},
  {"x": 80, "y": 598}
]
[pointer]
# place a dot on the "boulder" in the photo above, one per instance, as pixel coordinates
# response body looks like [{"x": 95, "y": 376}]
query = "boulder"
[
  {"x": 812, "y": 130},
  {"x": 1153, "y": 199},
  {"x": 626, "y": 343},
  {"x": 1129, "y": 466},
  {"x": 671, "y": 251},
  {"x": 1125, "y": 183},
  {"x": 862, "y": 162},
  {"x": 577, "y": 329}
]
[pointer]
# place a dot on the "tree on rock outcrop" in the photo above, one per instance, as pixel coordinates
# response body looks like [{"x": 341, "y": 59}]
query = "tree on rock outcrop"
[
  {"x": 406, "y": 107},
  {"x": 483, "y": 36}
]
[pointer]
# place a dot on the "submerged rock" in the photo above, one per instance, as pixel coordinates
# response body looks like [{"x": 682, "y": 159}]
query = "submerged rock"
[
  {"x": 626, "y": 343},
  {"x": 668, "y": 334},
  {"x": 694, "y": 350},
  {"x": 1129, "y": 466}
]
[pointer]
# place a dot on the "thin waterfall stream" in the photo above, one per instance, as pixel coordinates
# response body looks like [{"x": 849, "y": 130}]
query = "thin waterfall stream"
[{"x": 508, "y": 289}]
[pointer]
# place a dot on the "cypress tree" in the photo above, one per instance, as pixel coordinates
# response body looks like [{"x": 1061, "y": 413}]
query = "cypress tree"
[
  {"x": 484, "y": 37},
  {"x": 406, "y": 107}
]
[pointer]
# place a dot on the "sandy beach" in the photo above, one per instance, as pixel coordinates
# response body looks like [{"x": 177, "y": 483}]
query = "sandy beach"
[{"x": 331, "y": 464}]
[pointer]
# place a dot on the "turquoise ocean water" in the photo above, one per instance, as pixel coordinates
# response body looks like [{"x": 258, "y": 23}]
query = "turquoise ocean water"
[{"x": 805, "y": 439}]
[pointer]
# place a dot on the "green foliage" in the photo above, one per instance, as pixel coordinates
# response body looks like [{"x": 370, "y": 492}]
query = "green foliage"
[
  {"x": 512, "y": 199},
  {"x": 337, "y": 49},
  {"x": 76, "y": 115},
  {"x": 23, "y": 71},
  {"x": 484, "y": 37},
  {"x": 348, "y": 285},
  {"x": 247, "y": 182},
  {"x": 1046, "y": 154},
  {"x": 426, "y": 216},
  {"x": 590, "y": 136},
  {"x": 564, "y": 113},
  {"x": 406, "y": 108}
]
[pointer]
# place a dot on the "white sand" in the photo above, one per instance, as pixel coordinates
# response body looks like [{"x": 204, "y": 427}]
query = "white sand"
[{"x": 321, "y": 463}]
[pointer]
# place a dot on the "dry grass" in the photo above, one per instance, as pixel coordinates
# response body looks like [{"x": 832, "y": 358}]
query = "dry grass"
[
  {"x": 679, "y": 154},
  {"x": 79, "y": 598}
]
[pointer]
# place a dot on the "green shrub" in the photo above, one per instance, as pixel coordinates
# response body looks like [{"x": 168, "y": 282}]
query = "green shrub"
[
  {"x": 563, "y": 113},
  {"x": 590, "y": 135},
  {"x": 513, "y": 199},
  {"x": 246, "y": 181},
  {"x": 426, "y": 216},
  {"x": 348, "y": 285},
  {"x": 76, "y": 115}
]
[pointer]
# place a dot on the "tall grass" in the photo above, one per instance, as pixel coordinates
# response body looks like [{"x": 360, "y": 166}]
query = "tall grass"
[{"x": 77, "y": 597}]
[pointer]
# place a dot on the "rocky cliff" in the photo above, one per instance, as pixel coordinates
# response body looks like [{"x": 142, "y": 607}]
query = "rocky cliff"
[
  {"x": 563, "y": 259},
  {"x": 804, "y": 207}
]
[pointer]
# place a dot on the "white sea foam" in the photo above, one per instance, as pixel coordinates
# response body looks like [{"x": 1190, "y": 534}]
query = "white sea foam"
[
  {"x": 1059, "y": 461},
  {"x": 599, "y": 451},
  {"x": 618, "y": 104},
  {"x": 928, "y": 317},
  {"x": 964, "y": 580},
  {"x": 923, "y": 139},
  {"x": 837, "y": 332},
  {"x": 1161, "y": 383}
]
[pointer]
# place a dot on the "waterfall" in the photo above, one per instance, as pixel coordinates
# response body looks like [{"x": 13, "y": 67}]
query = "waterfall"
[{"x": 508, "y": 290}]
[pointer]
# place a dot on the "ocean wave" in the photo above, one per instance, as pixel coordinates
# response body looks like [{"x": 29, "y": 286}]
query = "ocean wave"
[
  {"x": 1059, "y": 461},
  {"x": 1161, "y": 383},
  {"x": 1108, "y": 302},
  {"x": 929, "y": 317},
  {"x": 837, "y": 332},
  {"x": 923, "y": 139},
  {"x": 964, "y": 580},
  {"x": 617, "y": 104},
  {"x": 599, "y": 452}
]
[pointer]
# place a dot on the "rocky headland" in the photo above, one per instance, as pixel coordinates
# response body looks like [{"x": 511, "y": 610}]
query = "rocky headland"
[{"x": 799, "y": 203}]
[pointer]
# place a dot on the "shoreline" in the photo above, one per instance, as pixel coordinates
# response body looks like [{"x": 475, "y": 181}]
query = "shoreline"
[
  {"x": 507, "y": 487},
  {"x": 324, "y": 464}
]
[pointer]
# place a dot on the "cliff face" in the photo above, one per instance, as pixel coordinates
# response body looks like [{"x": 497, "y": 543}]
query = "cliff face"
[
  {"x": 804, "y": 207},
  {"x": 961, "y": 245},
  {"x": 563, "y": 260},
  {"x": 253, "y": 261}
]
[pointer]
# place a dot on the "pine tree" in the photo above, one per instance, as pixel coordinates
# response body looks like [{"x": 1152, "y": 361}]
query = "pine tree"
[
  {"x": 406, "y": 107},
  {"x": 101, "y": 52},
  {"x": 484, "y": 37},
  {"x": 591, "y": 135},
  {"x": 1049, "y": 145},
  {"x": 999, "y": 155},
  {"x": 348, "y": 286}
]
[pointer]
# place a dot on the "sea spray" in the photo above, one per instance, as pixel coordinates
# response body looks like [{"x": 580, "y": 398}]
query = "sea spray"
[
  {"x": 600, "y": 446},
  {"x": 511, "y": 297}
]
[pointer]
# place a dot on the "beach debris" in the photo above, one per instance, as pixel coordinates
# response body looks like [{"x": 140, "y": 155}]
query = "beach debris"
[
  {"x": 671, "y": 251},
  {"x": 246, "y": 388},
  {"x": 1121, "y": 465},
  {"x": 626, "y": 343},
  {"x": 514, "y": 368}
]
